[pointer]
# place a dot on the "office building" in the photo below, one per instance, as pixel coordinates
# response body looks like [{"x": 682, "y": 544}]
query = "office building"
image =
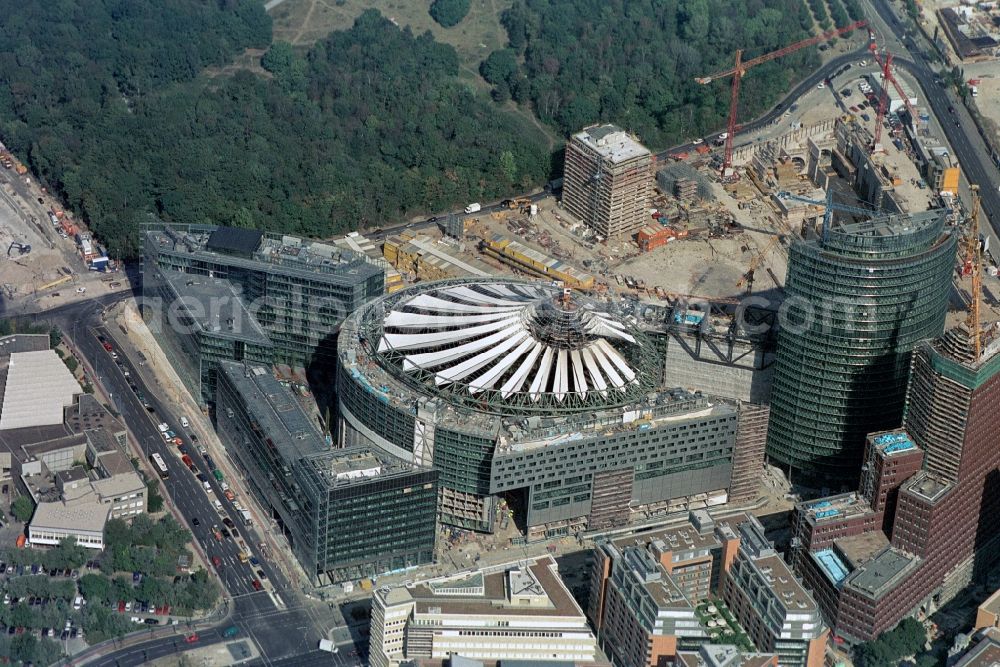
[
  {"x": 518, "y": 611},
  {"x": 298, "y": 291},
  {"x": 608, "y": 181},
  {"x": 858, "y": 303},
  {"x": 658, "y": 596},
  {"x": 931, "y": 533},
  {"x": 724, "y": 655},
  {"x": 543, "y": 395},
  {"x": 348, "y": 513}
]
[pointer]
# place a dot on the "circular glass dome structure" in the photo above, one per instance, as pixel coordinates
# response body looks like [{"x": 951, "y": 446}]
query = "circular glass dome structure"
[{"x": 510, "y": 347}]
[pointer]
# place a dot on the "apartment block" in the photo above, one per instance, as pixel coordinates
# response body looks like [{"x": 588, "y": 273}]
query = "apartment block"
[
  {"x": 608, "y": 180},
  {"x": 661, "y": 595}
]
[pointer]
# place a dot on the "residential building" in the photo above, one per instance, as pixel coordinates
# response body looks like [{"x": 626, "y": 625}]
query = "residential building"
[
  {"x": 658, "y": 595},
  {"x": 724, "y": 655},
  {"x": 348, "y": 513},
  {"x": 860, "y": 300},
  {"x": 770, "y": 603},
  {"x": 608, "y": 181},
  {"x": 517, "y": 611},
  {"x": 988, "y": 613}
]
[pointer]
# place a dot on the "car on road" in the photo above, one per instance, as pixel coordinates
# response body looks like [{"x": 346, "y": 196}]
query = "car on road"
[
  {"x": 201, "y": 477},
  {"x": 821, "y": 85},
  {"x": 152, "y": 621},
  {"x": 191, "y": 638},
  {"x": 135, "y": 619},
  {"x": 107, "y": 346},
  {"x": 854, "y": 109},
  {"x": 216, "y": 533},
  {"x": 261, "y": 575},
  {"x": 195, "y": 521},
  {"x": 230, "y": 496},
  {"x": 81, "y": 290},
  {"x": 254, "y": 561},
  {"x": 865, "y": 117},
  {"x": 433, "y": 218},
  {"x": 228, "y": 522},
  {"x": 225, "y": 532},
  {"x": 951, "y": 109},
  {"x": 257, "y": 586},
  {"x": 217, "y": 562},
  {"x": 697, "y": 141},
  {"x": 193, "y": 437}
]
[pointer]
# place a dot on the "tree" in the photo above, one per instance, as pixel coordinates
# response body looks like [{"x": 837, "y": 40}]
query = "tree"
[
  {"x": 22, "y": 508},
  {"x": 55, "y": 337},
  {"x": 154, "y": 501},
  {"x": 907, "y": 638},
  {"x": 449, "y": 13},
  {"x": 95, "y": 588}
]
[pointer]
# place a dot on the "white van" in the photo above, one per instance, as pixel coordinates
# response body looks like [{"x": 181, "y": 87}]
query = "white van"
[
  {"x": 184, "y": 422},
  {"x": 163, "y": 428},
  {"x": 77, "y": 602}
]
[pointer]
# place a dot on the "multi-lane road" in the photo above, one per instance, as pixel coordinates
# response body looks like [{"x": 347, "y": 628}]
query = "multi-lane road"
[{"x": 285, "y": 628}]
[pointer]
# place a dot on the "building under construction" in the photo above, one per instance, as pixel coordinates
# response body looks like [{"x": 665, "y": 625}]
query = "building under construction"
[{"x": 608, "y": 180}]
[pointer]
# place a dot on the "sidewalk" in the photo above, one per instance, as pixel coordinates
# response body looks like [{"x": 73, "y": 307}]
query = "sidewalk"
[{"x": 173, "y": 391}]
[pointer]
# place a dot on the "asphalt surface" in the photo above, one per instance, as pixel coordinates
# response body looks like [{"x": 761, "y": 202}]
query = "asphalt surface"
[
  {"x": 968, "y": 146},
  {"x": 283, "y": 628}
]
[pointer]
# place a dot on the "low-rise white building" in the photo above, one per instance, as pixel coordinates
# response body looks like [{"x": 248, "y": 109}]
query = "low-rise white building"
[
  {"x": 516, "y": 611},
  {"x": 82, "y": 518}
]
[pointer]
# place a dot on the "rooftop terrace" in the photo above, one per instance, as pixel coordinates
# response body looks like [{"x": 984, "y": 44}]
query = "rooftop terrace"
[
  {"x": 928, "y": 486},
  {"x": 840, "y": 507},
  {"x": 354, "y": 466}
]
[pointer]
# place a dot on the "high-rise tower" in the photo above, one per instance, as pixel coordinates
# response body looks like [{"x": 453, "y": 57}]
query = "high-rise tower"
[
  {"x": 608, "y": 180},
  {"x": 857, "y": 303}
]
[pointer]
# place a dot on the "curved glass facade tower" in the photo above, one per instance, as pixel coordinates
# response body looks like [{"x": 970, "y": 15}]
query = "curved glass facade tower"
[{"x": 856, "y": 304}]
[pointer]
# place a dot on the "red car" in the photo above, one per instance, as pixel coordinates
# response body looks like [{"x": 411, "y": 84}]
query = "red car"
[
  {"x": 107, "y": 346},
  {"x": 257, "y": 586},
  {"x": 216, "y": 561},
  {"x": 191, "y": 638}
]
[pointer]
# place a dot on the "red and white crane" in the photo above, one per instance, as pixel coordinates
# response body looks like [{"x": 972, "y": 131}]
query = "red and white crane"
[{"x": 740, "y": 68}]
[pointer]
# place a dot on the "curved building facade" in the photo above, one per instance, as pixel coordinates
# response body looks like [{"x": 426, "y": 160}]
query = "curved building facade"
[
  {"x": 856, "y": 304},
  {"x": 524, "y": 391}
]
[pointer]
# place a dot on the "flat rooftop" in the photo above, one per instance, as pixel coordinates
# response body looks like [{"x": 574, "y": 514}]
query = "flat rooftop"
[
  {"x": 86, "y": 514},
  {"x": 280, "y": 253},
  {"x": 724, "y": 655},
  {"x": 215, "y": 306},
  {"x": 38, "y": 387},
  {"x": 88, "y": 414},
  {"x": 355, "y": 466},
  {"x": 489, "y": 592},
  {"x": 834, "y": 508},
  {"x": 276, "y": 411},
  {"x": 857, "y": 549},
  {"x": 928, "y": 486},
  {"x": 882, "y": 573},
  {"x": 783, "y": 583},
  {"x": 611, "y": 142}
]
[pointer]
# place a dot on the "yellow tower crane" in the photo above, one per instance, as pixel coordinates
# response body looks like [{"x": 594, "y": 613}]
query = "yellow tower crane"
[{"x": 758, "y": 259}]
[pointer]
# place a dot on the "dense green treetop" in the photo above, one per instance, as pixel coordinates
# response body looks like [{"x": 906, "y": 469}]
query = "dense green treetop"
[
  {"x": 449, "y": 13},
  {"x": 634, "y": 62},
  {"x": 372, "y": 124}
]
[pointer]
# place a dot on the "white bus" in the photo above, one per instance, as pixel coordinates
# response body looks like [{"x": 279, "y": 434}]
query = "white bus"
[{"x": 161, "y": 467}]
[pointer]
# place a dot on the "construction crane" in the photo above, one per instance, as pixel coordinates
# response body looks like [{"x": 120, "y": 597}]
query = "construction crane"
[
  {"x": 740, "y": 68},
  {"x": 755, "y": 262},
  {"x": 883, "y": 102},
  {"x": 894, "y": 81},
  {"x": 974, "y": 261},
  {"x": 830, "y": 207}
]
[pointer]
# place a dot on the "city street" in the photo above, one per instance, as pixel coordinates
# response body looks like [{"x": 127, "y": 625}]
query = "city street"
[{"x": 283, "y": 625}]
